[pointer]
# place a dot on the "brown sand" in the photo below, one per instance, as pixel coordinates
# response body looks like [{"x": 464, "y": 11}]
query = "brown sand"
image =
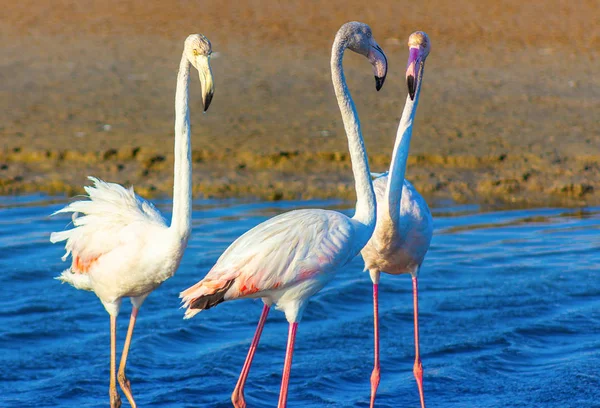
[{"x": 509, "y": 112}]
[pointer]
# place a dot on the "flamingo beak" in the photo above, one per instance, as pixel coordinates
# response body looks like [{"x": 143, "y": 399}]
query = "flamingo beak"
[
  {"x": 412, "y": 71},
  {"x": 379, "y": 62},
  {"x": 206, "y": 80}
]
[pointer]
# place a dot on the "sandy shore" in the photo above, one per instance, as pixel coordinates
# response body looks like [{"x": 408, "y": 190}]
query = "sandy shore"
[{"x": 509, "y": 113}]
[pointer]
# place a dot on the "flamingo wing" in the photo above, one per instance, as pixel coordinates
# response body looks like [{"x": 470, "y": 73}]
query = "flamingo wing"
[
  {"x": 110, "y": 217},
  {"x": 276, "y": 254}
]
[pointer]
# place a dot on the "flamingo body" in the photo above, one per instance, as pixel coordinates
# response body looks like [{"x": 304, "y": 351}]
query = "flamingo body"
[
  {"x": 120, "y": 246},
  {"x": 284, "y": 260},
  {"x": 399, "y": 250}
]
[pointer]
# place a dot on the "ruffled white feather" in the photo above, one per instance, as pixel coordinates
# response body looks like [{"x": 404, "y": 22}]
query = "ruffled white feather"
[{"x": 98, "y": 220}]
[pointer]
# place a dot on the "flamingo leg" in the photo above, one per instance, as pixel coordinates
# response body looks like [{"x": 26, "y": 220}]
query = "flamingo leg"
[
  {"x": 287, "y": 365},
  {"x": 237, "y": 397},
  {"x": 418, "y": 367},
  {"x": 115, "y": 399},
  {"x": 376, "y": 374},
  {"x": 123, "y": 381}
]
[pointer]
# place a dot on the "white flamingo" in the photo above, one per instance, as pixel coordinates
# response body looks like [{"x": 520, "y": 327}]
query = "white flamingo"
[
  {"x": 404, "y": 224},
  {"x": 290, "y": 257},
  {"x": 121, "y": 245}
]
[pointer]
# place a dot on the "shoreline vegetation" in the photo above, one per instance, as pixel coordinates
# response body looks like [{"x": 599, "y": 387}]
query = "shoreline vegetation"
[
  {"x": 501, "y": 180},
  {"x": 509, "y": 115}
]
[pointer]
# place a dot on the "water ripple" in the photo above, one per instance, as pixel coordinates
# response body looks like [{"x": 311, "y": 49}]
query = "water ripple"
[{"x": 509, "y": 308}]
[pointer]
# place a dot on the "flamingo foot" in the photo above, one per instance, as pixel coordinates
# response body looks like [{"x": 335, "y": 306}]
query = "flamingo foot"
[
  {"x": 375, "y": 378},
  {"x": 126, "y": 387},
  {"x": 418, "y": 372},
  {"x": 115, "y": 399},
  {"x": 237, "y": 398}
]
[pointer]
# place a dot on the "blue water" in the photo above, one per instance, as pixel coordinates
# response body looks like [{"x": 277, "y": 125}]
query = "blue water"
[{"x": 510, "y": 317}]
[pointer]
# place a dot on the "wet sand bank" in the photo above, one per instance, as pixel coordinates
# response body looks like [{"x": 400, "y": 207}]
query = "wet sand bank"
[{"x": 508, "y": 113}]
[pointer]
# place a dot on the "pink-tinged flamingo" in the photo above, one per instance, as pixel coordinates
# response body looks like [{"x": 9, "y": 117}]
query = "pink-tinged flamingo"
[
  {"x": 404, "y": 224},
  {"x": 121, "y": 245},
  {"x": 290, "y": 257}
]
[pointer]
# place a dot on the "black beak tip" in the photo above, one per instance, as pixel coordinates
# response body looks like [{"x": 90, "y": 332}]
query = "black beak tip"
[
  {"x": 207, "y": 101},
  {"x": 411, "y": 83},
  {"x": 379, "y": 82}
]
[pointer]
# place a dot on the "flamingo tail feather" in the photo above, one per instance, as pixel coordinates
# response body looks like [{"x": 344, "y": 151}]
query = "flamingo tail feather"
[{"x": 203, "y": 295}]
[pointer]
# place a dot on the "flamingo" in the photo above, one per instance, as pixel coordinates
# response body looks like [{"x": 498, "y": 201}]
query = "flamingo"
[
  {"x": 121, "y": 245},
  {"x": 290, "y": 257},
  {"x": 404, "y": 224}
]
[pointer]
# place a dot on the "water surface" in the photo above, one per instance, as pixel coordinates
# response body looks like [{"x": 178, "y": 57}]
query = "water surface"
[{"x": 510, "y": 317}]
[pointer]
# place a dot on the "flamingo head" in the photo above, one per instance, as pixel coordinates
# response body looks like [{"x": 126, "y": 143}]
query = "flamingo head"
[
  {"x": 198, "y": 50},
  {"x": 419, "y": 47},
  {"x": 359, "y": 38}
]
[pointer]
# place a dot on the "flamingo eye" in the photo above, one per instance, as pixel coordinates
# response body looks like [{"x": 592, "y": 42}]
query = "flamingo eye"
[{"x": 195, "y": 52}]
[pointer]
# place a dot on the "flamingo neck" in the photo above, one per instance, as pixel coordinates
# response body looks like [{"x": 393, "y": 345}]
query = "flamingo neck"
[
  {"x": 182, "y": 185},
  {"x": 393, "y": 195},
  {"x": 365, "y": 196}
]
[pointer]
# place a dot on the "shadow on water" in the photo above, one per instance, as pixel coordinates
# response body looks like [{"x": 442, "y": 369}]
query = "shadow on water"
[{"x": 510, "y": 306}]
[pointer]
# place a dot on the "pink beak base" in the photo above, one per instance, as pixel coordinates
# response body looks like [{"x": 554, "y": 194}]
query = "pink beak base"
[{"x": 411, "y": 71}]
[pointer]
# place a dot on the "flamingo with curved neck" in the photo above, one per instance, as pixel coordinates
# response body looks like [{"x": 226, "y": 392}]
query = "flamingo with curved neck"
[
  {"x": 404, "y": 223},
  {"x": 121, "y": 246},
  {"x": 318, "y": 242}
]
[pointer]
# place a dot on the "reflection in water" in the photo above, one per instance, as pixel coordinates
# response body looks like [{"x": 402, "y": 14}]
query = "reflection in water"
[{"x": 510, "y": 310}]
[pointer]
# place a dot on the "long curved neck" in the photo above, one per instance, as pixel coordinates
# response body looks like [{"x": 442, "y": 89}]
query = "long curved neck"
[
  {"x": 182, "y": 185},
  {"x": 365, "y": 197},
  {"x": 393, "y": 195}
]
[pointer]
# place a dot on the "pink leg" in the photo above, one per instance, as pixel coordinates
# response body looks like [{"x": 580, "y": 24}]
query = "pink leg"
[
  {"x": 115, "y": 399},
  {"x": 418, "y": 367},
  {"x": 123, "y": 381},
  {"x": 237, "y": 397},
  {"x": 287, "y": 366},
  {"x": 376, "y": 374}
]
